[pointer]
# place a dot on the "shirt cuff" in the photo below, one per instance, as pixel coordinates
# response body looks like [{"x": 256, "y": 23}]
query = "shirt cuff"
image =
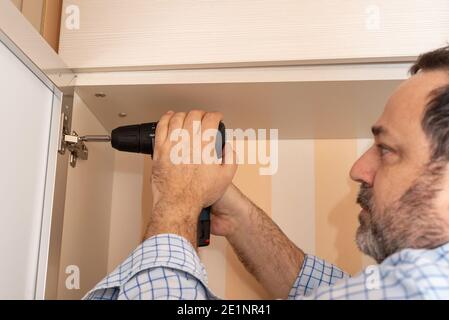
[
  {"x": 314, "y": 273},
  {"x": 163, "y": 250}
]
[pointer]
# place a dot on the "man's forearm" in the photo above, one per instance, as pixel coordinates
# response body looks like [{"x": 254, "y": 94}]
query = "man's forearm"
[
  {"x": 265, "y": 250},
  {"x": 161, "y": 222}
]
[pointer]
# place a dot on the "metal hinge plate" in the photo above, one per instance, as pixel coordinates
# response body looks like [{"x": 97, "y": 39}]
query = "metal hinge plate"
[
  {"x": 69, "y": 140},
  {"x": 77, "y": 148}
]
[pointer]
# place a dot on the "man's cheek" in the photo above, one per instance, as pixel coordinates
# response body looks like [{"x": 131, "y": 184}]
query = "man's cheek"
[
  {"x": 383, "y": 195},
  {"x": 389, "y": 185}
]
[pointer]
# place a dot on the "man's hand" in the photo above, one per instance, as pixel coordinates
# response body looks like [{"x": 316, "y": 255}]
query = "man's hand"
[
  {"x": 230, "y": 212},
  {"x": 181, "y": 190}
]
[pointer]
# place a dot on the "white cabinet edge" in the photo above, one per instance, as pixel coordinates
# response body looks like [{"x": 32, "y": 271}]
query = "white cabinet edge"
[
  {"x": 339, "y": 72},
  {"x": 47, "y": 218}
]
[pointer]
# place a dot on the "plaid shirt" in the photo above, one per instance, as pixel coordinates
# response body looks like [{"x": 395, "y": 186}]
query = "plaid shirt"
[{"x": 167, "y": 267}]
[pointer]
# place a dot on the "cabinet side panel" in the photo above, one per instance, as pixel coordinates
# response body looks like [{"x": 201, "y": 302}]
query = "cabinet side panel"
[
  {"x": 85, "y": 242},
  {"x": 126, "y": 211}
]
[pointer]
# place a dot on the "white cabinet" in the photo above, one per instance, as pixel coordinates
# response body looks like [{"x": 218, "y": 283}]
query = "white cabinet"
[
  {"x": 30, "y": 108},
  {"x": 142, "y": 34}
]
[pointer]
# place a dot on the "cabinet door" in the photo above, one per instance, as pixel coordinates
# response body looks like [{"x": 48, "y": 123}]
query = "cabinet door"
[{"x": 30, "y": 108}]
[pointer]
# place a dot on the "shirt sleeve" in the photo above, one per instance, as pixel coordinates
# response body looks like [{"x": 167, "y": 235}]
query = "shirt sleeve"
[
  {"x": 392, "y": 280},
  {"x": 163, "y": 267},
  {"x": 315, "y": 274},
  {"x": 166, "y": 267}
]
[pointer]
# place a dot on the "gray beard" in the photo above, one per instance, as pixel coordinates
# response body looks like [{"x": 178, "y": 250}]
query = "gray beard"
[
  {"x": 369, "y": 245},
  {"x": 410, "y": 222}
]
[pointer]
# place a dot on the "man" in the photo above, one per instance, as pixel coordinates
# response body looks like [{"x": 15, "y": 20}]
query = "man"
[{"x": 404, "y": 221}]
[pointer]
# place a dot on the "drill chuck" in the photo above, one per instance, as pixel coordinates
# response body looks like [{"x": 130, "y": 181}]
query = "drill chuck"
[{"x": 135, "y": 138}]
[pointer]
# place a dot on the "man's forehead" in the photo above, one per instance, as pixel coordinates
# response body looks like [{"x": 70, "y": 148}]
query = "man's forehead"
[{"x": 404, "y": 109}]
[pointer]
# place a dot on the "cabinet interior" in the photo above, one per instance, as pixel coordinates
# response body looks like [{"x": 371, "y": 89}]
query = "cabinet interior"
[{"x": 108, "y": 197}]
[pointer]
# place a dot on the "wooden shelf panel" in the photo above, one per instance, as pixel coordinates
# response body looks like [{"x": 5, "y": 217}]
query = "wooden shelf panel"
[
  {"x": 149, "y": 34},
  {"x": 300, "y": 110}
]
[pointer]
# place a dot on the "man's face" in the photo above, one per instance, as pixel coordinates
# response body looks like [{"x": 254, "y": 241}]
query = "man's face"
[{"x": 404, "y": 197}]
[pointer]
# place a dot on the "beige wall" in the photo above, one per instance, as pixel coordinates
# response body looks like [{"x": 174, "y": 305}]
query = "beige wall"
[
  {"x": 33, "y": 10},
  {"x": 44, "y": 16},
  {"x": 126, "y": 207},
  {"x": 239, "y": 283},
  {"x": 336, "y": 210},
  {"x": 51, "y": 22},
  {"x": 293, "y": 192}
]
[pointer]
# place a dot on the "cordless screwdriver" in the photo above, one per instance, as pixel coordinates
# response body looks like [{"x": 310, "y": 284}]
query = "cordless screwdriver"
[{"x": 140, "y": 139}]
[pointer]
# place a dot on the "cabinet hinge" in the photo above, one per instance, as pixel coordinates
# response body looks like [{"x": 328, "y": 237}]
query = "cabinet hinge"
[
  {"x": 69, "y": 140},
  {"x": 76, "y": 147}
]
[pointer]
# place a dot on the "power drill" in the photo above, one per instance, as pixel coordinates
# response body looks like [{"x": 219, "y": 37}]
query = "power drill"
[{"x": 140, "y": 139}]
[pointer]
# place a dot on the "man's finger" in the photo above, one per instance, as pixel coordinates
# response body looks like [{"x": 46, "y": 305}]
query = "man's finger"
[
  {"x": 211, "y": 120},
  {"x": 162, "y": 129},
  {"x": 176, "y": 122},
  {"x": 194, "y": 115}
]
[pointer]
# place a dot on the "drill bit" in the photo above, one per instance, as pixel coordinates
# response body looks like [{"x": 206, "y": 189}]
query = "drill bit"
[{"x": 95, "y": 138}]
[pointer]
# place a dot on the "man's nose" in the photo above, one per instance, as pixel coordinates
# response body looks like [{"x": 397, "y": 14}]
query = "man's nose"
[{"x": 364, "y": 169}]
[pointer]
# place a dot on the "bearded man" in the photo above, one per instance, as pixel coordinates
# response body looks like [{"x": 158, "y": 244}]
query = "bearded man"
[{"x": 404, "y": 218}]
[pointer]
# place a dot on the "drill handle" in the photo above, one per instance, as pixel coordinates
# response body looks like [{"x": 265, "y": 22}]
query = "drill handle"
[
  {"x": 204, "y": 227},
  {"x": 204, "y": 220}
]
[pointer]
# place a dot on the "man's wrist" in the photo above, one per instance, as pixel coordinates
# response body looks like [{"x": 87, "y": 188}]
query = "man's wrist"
[
  {"x": 174, "y": 218},
  {"x": 241, "y": 220}
]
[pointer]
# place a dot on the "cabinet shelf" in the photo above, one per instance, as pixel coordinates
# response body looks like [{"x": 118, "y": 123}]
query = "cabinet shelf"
[{"x": 299, "y": 109}]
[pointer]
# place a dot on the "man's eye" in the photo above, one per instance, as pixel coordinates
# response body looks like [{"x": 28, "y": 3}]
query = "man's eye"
[{"x": 383, "y": 150}]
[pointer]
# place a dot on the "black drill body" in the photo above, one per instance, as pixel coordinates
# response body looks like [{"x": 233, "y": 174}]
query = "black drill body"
[{"x": 140, "y": 139}]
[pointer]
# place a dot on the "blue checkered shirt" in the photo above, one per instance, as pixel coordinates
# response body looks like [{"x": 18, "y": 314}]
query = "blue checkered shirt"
[{"x": 166, "y": 266}]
